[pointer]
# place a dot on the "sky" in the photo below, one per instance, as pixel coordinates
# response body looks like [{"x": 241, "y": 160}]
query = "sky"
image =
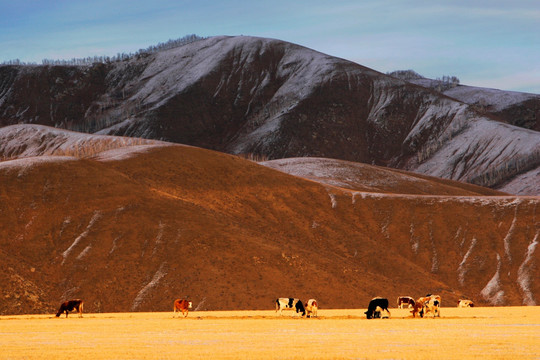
[{"x": 494, "y": 44}]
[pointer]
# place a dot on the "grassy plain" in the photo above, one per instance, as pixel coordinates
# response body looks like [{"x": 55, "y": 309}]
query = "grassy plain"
[{"x": 490, "y": 332}]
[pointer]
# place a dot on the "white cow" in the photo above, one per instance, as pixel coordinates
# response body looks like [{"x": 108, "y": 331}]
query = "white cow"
[
  {"x": 311, "y": 308},
  {"x": 465, "y": 303}
]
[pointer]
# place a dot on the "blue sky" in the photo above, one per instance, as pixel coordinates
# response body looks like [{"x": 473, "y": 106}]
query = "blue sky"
[{"x": 492, "y": 43}]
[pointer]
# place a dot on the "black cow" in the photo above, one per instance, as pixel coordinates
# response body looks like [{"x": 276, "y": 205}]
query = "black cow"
[
  {"x": 376, "y": 306},
  {"x": 71, "y": 305}
]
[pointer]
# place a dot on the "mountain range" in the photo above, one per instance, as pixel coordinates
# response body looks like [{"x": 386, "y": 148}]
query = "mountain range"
[
  {"x": 129, "y": 184},
  {"x": 273, "y": 99}
]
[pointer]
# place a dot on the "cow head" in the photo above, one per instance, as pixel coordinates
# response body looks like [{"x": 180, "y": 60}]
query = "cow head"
[
  {"x": 300, "y": 308},
  {"x": 370, "y": 314}
]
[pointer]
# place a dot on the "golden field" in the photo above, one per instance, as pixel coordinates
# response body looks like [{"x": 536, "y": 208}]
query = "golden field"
[{"x": 481, "y": 332}]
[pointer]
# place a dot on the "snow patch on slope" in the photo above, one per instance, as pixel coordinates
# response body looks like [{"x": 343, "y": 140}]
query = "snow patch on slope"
[
  {"x": 23, "y": 141},
  {"x": 525, "y": 183},
  {"x": 415, "y": 242},
  {"x": 508, "y": 237},
  {"x": 492, "y": 292},
  {"x": 483, "y": 147},
  {"x": 462, "y": 268},
  {"x": 497, "y": 99},
  {"x": 333, "y": 200},
  {"x": 160, "y": 273},
  {"x": 524, "y": 272},
  {"x": 97, "y": 215},
  {"x": 434, "y": 255}
]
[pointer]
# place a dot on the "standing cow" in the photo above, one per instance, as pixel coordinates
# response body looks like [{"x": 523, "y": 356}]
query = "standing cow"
[
  {"x": 376, "y": 307},
  {"x": 290, "y": 304},
  {"x": 405, "y": 300},
  {"x": 465, "y": 303},
  {"x": 311, "y": 308},
  {"x": 183, "y": 306},
  {"x": 70, "y": 305}
]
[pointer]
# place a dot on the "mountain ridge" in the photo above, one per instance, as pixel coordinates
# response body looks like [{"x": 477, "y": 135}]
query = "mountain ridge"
[{"x": 278, "y": 100}]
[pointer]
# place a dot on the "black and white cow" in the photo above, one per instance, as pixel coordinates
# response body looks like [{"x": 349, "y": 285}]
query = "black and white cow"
[
  {"x": 433, "y": 305},
  {"x": 463, "y": 303},
  {"x": 290, "y": 304},
  {"x": 376, "y": 307}
]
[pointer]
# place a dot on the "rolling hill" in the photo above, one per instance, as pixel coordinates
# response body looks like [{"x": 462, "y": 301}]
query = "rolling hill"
[
  {"x": 248, "y": 95},
  {"x": 130, "y": 225}
]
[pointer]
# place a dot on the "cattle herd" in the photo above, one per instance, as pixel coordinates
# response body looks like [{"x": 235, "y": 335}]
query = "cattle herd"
[{"x": 377, "y": 308}]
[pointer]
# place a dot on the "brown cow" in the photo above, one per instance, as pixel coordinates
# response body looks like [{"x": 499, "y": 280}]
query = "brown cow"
[
  {"x": 418, "y": 307},
  {"x": 183, "y": 306},
  {"x": 405, "y": 300},
  {"x": 71, "y": 305}
]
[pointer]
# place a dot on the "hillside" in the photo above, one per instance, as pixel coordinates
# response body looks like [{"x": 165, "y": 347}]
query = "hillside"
[
  {"x": 514, "y": 108},
  {"x": 246, "y": 95},
  {"x": 134, "y": 226}
]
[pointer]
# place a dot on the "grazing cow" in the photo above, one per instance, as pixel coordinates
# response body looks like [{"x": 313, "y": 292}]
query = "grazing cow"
[
  {"x": 465, "y": 303},
  {"x": 405, "y": 300},
  {"x": 418, "y": 307},
  {"x": 433, "y": 305},
  {"x": 311, "y": 308},
  {"x": 376, "y": 307},
  {"x": 71, "y": 305},
  {"x": 428, "y": 304},
  {"x": 183, "y": 306},
  {"x": 290, "y": 304}
]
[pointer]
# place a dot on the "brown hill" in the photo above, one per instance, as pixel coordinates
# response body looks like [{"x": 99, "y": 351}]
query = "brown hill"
[
  {"x": 133, "y": 227},
  {"x": 370, "y": 178},
  {"x": 279, "y": 100}
]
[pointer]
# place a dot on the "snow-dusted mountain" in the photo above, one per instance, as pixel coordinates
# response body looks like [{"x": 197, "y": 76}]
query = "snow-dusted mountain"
[
  {"x": 278, "y": 100},
  {"x": 515, "y": 108}
]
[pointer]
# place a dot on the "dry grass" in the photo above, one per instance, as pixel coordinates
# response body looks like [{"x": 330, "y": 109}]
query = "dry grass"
[{"x": 495, "y": 333}]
